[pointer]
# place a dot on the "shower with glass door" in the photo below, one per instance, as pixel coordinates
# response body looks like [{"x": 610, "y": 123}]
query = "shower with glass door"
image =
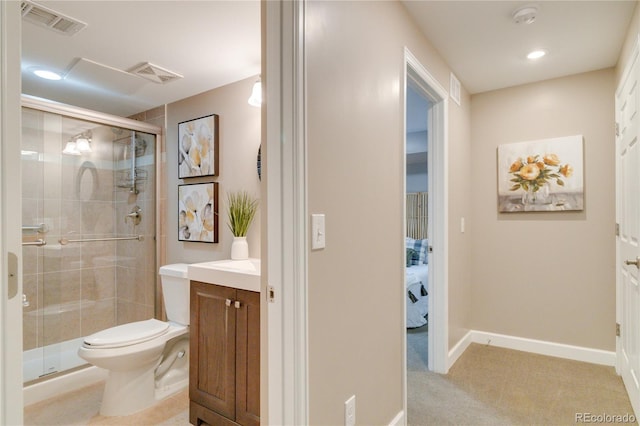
[{"x": 88, "y": 229}]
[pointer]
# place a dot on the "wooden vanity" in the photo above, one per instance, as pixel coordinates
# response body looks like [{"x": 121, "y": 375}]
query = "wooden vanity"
[{"x": 224, "y": 368}]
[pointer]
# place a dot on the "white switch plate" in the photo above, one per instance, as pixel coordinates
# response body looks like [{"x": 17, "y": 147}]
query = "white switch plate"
[
  {"x": 317, "y": 232},
  {"x": 350, "y": 411}
]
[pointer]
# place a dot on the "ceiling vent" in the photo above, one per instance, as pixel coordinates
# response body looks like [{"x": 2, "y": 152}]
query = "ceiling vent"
[
  {"x": 48, "y": 18},
  {"x": 154, "y": 73}
]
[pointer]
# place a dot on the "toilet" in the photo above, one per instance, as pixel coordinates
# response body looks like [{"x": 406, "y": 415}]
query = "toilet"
[{"x": 147, "y": 360}]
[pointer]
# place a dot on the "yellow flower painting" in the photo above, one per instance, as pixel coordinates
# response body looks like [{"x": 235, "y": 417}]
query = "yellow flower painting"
[
  {"x": 198, "y": 212},
  {"x": 198, "y": 147},
  {"x": 544, "y": 175}
]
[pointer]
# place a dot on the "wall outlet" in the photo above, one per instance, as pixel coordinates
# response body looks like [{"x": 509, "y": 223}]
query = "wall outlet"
[{"x": 350, "y": 411}]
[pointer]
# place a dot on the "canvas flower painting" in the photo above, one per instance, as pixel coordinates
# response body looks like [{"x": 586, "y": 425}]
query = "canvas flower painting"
[
  {"x": 198, "y": 212},
  {"x": 198, "y": 147},
  {"x": 543, "y": 175}
]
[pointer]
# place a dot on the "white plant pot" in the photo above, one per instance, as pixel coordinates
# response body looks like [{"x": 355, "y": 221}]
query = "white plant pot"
[{"x": 239, "y": 248}]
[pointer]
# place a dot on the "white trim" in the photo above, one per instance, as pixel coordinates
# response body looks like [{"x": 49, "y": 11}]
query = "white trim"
[
  {"x": 438, "y": 212},
  {"x": 64, "y": 383},
  {"x": 88, "y": 115},
  {"x": 398, "y": 420},
  {"x": 542, "y": 347},
  {"x": 11, "y": 401},
  {"x": 285, "y": 169},
  {"x": 459, "y": 348}
]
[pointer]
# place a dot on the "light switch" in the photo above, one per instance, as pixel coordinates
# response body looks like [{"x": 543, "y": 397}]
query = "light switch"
[{"x": 317, "y": 232}]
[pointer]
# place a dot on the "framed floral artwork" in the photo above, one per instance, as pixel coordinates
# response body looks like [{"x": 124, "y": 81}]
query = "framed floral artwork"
[
  {"x": 198, "y": 212},
  {"x": 198, "y": 147},
  {"x": 541, "y": 175}
]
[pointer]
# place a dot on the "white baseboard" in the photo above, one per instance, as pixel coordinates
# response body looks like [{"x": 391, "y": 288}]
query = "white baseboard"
[
  {"x": 459, "y": 349},
  {"x": 541, "y": 347},
  {"x": 398, "y": 420}
]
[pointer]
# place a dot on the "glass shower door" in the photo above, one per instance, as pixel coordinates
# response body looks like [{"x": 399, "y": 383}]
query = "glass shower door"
[{"x": 89, "y": 193}]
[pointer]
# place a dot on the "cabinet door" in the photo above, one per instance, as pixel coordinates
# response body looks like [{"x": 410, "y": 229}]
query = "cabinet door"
[
  {"x": 213, "y": 341},
  {"x": 248, "y": 358}
]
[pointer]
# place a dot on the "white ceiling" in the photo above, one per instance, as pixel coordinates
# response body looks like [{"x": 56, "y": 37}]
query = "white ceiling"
[
  {"x": 213, "y": 43},
  {"x": 209, "y": 43},
  {"x": 487, "y": 49}
]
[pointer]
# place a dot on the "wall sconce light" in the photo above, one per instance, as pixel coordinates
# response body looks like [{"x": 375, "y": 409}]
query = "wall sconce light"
[
  {"x": 71, "y": 149},
  {"x": 256, "y": 95},
  {"x": 83, "y": 144},
  {"x": 79, "y": 144}
]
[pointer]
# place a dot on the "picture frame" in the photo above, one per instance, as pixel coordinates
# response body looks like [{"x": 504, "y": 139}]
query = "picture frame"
[
  {"x": 541, "y": 175},
  {"x": 198, "y": 212},
  {"x": 198, "y": 147}
]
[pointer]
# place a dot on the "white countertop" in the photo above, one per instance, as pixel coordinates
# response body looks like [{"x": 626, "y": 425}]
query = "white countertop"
[{"x": 241, "y": 274}]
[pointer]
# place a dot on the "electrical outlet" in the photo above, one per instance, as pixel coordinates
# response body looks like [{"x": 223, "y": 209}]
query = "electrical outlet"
[{"x": 350, "y": 411}]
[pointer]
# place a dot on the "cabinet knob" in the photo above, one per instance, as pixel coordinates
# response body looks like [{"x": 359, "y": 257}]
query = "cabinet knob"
[
  {"x": 237, "y": 304},
  {"x": 227, "y": 302}
]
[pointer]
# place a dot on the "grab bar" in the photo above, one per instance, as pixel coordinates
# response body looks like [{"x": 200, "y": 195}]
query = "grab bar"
[
  {"x": 64, "y": 241},
  {"x": 40, "y": 229},
  {"x": 40, "y": 242}
]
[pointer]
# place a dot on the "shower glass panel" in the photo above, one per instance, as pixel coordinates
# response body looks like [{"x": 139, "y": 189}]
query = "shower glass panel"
[{"x": 88, "y": 194}]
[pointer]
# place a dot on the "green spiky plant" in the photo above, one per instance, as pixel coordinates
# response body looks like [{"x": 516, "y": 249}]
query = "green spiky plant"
[{"x": 242, "y": 209}]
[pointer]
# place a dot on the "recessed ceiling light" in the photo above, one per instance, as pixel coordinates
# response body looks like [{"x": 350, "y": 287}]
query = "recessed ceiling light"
[
  {"x": 48, "y": 75},
  {"x": 536, "y": 54}
]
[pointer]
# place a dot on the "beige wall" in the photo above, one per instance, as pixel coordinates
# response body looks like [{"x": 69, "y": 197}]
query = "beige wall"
[
  {"x": 355, "y": 64},
  {"x": 547, "y": 276},
  {"x": 239, "y": 139},
  {"x": 630, "y": 41}
]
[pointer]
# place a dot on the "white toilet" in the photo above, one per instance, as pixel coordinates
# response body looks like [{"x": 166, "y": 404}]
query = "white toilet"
[{"x": 147, "y": 360}]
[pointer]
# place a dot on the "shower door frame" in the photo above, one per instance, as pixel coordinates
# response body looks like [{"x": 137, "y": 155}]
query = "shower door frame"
[{"x": 64, "y": 110}]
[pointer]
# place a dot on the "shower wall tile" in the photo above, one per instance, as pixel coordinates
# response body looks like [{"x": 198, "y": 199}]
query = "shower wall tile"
[
  {"x": 129, "y": 312},
  {"x": 32, "y": 177},
  {"x": 98, "y": 316},
  {"x": 30, "y": 255},
  {"x": 61, "y": 288},
  {"x": 63, "y": 326},
  {"x": 97, "y": 218},
  {"x": 29, "y": 313},
  {"x": 130, "y": 285},
  {"x": 51, "y": 208},
  {"x": 70, "y": 218},
  {"x": 98, "y": 283},
  {"x": 98, "y": 253}
]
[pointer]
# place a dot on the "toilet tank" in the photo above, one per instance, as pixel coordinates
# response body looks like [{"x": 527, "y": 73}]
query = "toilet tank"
[{"x": 175, "y": 292}]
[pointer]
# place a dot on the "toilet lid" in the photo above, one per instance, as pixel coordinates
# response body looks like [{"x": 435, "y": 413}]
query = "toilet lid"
[{"x": 127, "y": 334}]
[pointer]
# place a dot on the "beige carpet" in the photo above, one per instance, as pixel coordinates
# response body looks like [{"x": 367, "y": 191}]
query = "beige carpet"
[{"x": 495, "y": 386}]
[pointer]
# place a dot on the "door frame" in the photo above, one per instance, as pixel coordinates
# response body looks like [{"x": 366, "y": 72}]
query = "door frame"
[
  {"x": 11, "y": 399},
  {"x": 633, "y": 58},
  {"x": 437, "y": 148},
  {"x": 284, "y": 392}
]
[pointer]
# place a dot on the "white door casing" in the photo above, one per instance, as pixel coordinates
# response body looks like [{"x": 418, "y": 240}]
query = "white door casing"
[
  {"x": 11, "y": 400},
  {"x": 438, "y": 359},
  {"x": 628, "y": 219},
  {"x": 287, "y": 218}
]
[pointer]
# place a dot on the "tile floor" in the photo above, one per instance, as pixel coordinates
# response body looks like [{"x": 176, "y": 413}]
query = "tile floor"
[{"x": 82, "y": 407}]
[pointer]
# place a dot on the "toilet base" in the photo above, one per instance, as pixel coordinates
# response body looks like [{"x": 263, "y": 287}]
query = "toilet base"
[{"x": 127, "y": 392}]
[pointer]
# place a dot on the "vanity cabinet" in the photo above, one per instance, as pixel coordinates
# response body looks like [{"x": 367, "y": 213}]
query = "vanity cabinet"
[{"x": 224, "y": 375}]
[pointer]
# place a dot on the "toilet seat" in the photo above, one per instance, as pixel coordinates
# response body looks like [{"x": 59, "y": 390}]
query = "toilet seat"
[{"x": 127, "y": 334}]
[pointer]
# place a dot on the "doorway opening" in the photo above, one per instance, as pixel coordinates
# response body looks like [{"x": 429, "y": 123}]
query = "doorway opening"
[
  {"x": 430, "y": 103},
  {"x": 416, "y": 223}
]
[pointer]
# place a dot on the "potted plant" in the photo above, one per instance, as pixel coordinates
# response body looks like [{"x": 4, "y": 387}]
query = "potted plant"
[{"x": 242, "y": 208}]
